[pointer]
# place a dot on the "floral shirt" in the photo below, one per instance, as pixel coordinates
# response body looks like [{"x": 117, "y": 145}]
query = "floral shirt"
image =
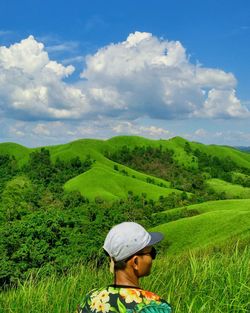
[{"x": 123, "y": 299}]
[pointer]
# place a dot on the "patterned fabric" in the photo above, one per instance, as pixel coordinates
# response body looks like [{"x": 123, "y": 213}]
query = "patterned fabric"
[{"x": 124, "y": 300}]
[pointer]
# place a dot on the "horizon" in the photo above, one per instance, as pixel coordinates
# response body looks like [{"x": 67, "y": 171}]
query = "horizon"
[
  {"x": 106, "y": 139},
  {"x": 72, "y": 71}
]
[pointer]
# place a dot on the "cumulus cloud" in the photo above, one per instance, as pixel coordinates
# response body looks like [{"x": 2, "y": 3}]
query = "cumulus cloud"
[
  {"x": 148, "y": 131},
  {"x": 32, "y": 86},
  {"x": 146, "y": 76},
  {"x": 41, "y": 130},
  {"x": 143, "y": 76},
  {"x": 223, "y": 104}
]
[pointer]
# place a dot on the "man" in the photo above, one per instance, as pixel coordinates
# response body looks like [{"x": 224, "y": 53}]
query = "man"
[{"x": 131, "y": 251}]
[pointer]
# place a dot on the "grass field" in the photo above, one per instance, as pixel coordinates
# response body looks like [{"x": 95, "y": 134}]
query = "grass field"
[
  {"x": 196, "y": 283},
  {"x": 108, "y": 184},
  {"x": 217, "y": 205},
  {"x": 231, "y": 190},
  {"x": 216, "y": 222}
]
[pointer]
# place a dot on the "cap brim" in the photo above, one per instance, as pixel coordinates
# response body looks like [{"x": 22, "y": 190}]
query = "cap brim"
[{"x": 155, "y": 238}]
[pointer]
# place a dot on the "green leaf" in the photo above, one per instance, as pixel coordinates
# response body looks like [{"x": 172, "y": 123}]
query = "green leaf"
[{"x": 121, "y": 306}]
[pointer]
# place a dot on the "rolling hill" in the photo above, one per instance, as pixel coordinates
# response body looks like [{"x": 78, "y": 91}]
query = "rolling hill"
[
  {"x": 216, "y": 224},
  {"x": 36, "y": 200},
  {"x": 106, "y": 183},
  {"x": 94, "y": 182},
  {"x": 232, "y": 191}
]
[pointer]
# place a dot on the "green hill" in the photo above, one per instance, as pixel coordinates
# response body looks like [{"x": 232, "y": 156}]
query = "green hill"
[
  {"x": 96, "y": 149},
  {"x": 231, "y": 190},
  {"x": 20, "y": 152},
  {"x": 216, "y": 224},
  {"x": 53, "y": 227},
  {"x": 239, "y": 157},
  {"x": 108, "y": 184}
]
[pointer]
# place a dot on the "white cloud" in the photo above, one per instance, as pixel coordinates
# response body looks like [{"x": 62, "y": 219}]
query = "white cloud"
[
  {"x": 141, "y": 77},
  {"x": 223, "y": 104},
  {"x": 154, "y": 78},
  {"x": 32, "y": 86},
  {"x": 16, "y": 132},
  {"x": 201, "y": 132},
  {"x": 41, "y": 130},
  {"x": 148, "y": 131},
  {"x": 220, "y": 137},
  {"x": 209, "y": 78}
]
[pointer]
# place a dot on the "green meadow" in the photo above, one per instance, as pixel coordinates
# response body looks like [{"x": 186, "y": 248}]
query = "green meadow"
[
  {"x": 214, "y": 223},
  {"x": 193, "y": 282},
  {"x": 94, "y": 184},
  {"x": 96, "y": 150},
  {"x": 231, "y": 191},
  {"x": 57, "y": 203}
]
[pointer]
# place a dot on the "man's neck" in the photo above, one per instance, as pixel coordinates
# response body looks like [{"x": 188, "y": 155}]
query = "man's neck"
[{"x": 126, "y": 279}]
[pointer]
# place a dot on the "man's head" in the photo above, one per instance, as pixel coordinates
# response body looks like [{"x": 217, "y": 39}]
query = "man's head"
[{"x": 129, "y": 242}]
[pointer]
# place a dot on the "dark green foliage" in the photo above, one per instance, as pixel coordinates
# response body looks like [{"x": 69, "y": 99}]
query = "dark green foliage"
[
  {"x": 159, "y": 162},
  {"x": 218, "y": 168},
  {"x": 41, "y": 170},
  {"x": 8, "y": 169},
  {"x": 40, "y": 224}
]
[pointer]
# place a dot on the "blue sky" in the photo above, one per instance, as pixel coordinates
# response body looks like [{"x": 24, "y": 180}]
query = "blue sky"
[{"x": 97, "y": 69}]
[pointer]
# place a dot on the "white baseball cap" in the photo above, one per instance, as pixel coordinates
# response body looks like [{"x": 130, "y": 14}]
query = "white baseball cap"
[{"x": 127, "y": 238}]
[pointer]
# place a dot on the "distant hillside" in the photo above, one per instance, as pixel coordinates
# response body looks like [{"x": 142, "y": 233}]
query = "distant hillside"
[
  {"x": 96, "y": 149},
  {"x": 244, "y": 149},
  {"x": 94, "y": 182}
]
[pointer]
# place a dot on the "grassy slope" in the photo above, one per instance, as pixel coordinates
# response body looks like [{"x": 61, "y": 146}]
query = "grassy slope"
[
  {"x": 218, "y": 222},
  {"x": 102, "y": 181},
  {"x": 239, "y": 157},
  {"x": 236, "y": 175},
  {"x": 21, "y": 153},
  {"x": 176, "y": 144},
  {"x": 231, "y": 190},
  {"x": 192, "y": 283},
  {"x": 96, "y": 149}
]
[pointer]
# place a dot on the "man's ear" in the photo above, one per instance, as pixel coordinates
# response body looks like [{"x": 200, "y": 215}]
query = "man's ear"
[{"x": 135, "y": 262}]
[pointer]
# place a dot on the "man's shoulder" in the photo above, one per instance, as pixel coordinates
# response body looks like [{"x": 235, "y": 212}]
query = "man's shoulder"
[{"x": 123, "y": 299}]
